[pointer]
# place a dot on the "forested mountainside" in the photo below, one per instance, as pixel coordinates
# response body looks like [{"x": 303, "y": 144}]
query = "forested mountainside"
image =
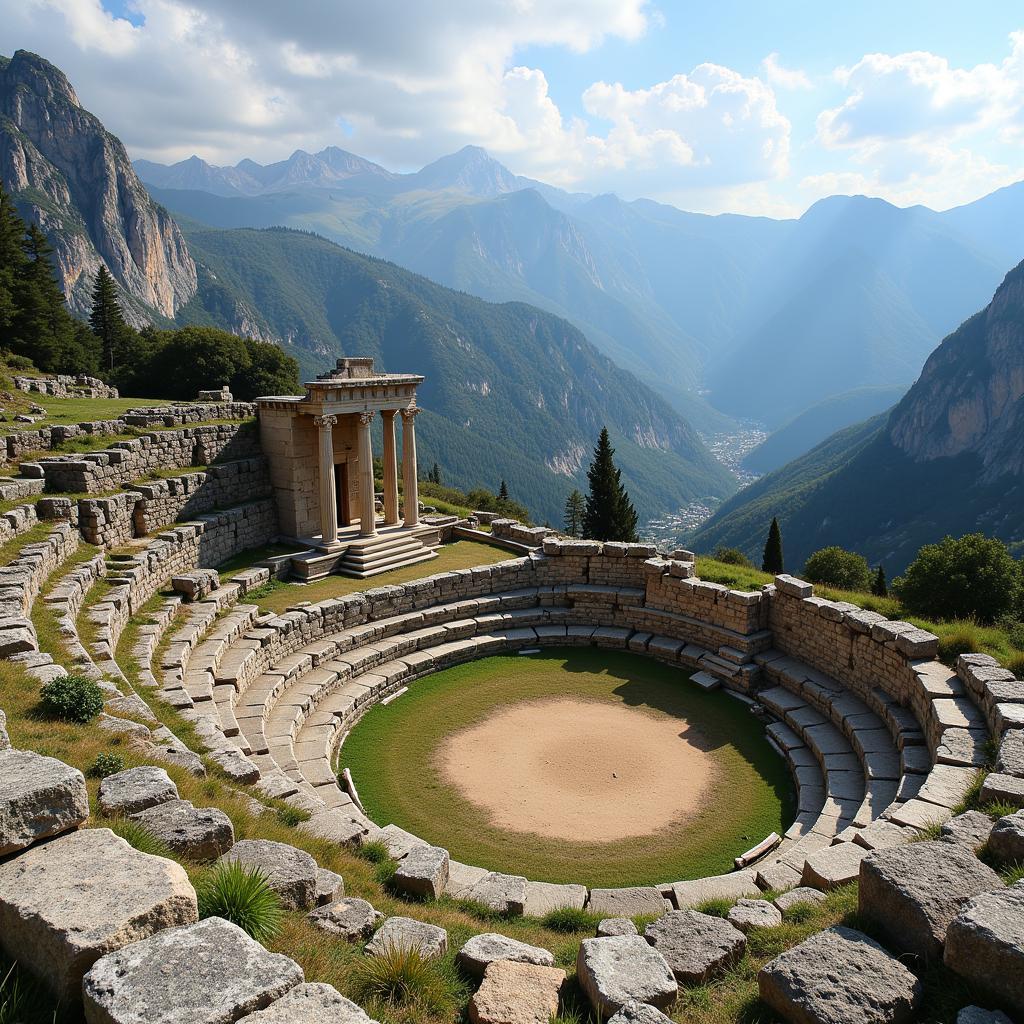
[
  {"x": 74, "y": 179},
  {"x": 511, "y": 392},
  {"x": 760, "y": 318},
  {"x": 949, "y": 459}
]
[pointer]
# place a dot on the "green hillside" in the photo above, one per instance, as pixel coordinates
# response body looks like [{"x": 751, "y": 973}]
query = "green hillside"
[{"x": 511, "y": 392}]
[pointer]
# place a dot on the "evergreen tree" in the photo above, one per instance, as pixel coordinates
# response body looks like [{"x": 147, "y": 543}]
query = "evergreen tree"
[
  {"x": 434, "y": 476},
  {"x": 879, "y": 585},
  {"x": 12, "y": 262},
  {"x": 503, "y": 491},
  {"x": 107, "y": 321},
  {"x": 772, "y": 560},
  {"x": 609, "y": 513},
  {"x": 575, "y": 511}
]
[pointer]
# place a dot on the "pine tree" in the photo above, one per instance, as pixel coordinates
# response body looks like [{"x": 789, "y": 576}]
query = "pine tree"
[
  {"x": 107, "y": 321},
  {"x": 434, "y": 476},
  {"x": 879, "y": 585},
  {"x": 12, "y": 262},
  {"x": 575, "y": 510},
  {"x": 773, "y": 561},
  {"x": 503, "y": 491},
  {"x": 609, "y": 512}
]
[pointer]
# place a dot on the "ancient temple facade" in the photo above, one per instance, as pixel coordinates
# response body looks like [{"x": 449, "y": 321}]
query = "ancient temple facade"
[{"x": 319, "y": 447}]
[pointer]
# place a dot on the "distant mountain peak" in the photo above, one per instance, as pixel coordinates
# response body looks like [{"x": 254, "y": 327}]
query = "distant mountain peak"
[{"x": 42, "y": 77}]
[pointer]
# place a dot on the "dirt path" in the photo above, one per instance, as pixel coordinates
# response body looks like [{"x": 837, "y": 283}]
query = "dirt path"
[{"x": 579, "y": 769}]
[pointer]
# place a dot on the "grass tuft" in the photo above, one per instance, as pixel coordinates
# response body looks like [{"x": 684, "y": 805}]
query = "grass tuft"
[
  {"x": 137, "y": 835},
  {"x": 374, "y": 851},
  {"x": 291, "y": 816},
  {"x": 403, "y": 977},
  {"x": 570, "y": 919},
  {"x": 242, "y": 895},
  {"x": 719, "y": 907}
]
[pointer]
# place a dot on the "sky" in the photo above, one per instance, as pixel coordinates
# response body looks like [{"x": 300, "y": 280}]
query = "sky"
[{"x": 746, "y": 106}]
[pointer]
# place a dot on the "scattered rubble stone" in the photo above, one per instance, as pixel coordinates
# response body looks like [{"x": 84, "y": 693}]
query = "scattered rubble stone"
[
  {"x": 696, "y": 946},
  {"x": 39, "y": 797},
  {"x": 516, "y": 993},
  {"x": 616, "y": 926},
  {"x": 623, "y": 969},
  {"x": 311, "y": 1003},
  {"x": 136, "y": 789},
  {"x": 290, "y": 872},
  {"x": 350, "y": 918},
  {"x": 484, "y": 949},
  {"x": 408, "y": 933},
  {"x": 198, "y": 833}
]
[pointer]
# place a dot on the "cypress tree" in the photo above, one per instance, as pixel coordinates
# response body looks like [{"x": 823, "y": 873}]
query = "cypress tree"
[
  {"x": 107, "y": 322},
  {"x": 879, "y": 585},
  {"x": 773, "y": 561},
  {"x": 503, "y": 491},
  {"x": 575, "y": 511},
  {"x": 609, "y": 512},
  {"x": 12, "y": 262}
]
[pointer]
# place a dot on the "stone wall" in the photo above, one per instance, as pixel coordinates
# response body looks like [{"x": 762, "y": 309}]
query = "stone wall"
[
  {"x": 194, "y": 412},
  {"x": 127, "y": 461},
  {"x": 511, "y": 529},
  {"x": 64, "y": 386}
]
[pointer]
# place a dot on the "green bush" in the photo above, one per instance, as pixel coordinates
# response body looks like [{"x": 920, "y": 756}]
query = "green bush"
[
  {"x": 732, "y": 556},
  {"x": 241, "y": 895},
  {"x": 972, "y": 577},
  {"x": 961, "y": 640},
  {"x": 374, "y": 851},
  {"x": 72, "y": 698},
  {"x": 836, "y": 567},
  {"x": 104, "y": 765}
]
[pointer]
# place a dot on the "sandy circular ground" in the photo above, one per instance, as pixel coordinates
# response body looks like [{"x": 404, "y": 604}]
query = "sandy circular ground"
[{"x": 578, "y": 769}]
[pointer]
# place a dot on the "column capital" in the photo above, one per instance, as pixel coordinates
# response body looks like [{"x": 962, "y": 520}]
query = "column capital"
[
  {"x": 366, "y": 418},
  {"x": 325, "y": 421},
  {"x": 408, "y": 414}
]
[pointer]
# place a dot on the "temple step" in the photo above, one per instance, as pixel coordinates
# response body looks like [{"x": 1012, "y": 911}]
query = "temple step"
[{"x": 372, "y": 555}]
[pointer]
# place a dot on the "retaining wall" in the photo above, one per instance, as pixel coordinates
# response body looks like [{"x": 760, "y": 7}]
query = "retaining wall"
[{"x": 126, "y": 461}]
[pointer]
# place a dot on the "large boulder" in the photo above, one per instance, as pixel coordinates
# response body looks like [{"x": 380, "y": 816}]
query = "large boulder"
[
  {"x": 136, "y": 789},
  {"x": 198, "y": 833},
  {"x": 422, "y": 872},
  {"x": 696, "y": 946},
  {"x": 913, "y": 892},
  {"x": 310, "y": 1003},
  {"x": 972, "y": 829},
  {"x": 504, "y": 894},
  {"x": 747, "y": 914},
  {"x": 290, "y": 872},
  {"x": 833, "y": 866},
  {"x": 351, "y": 919},
  {"x": 39, "y": 797},
  {"x": 838, "y": 976},
  {"x": 1007, "y": 838},
  {"x": 985, "y": 944},
  {"x": 485, "y": 949},
  {"x": 623, "y": 969},
  {"x": 515, "y": 993},
  {"x": 66, "y": 903},
  {"x": 408, "y": 933},
  {"x": 205, "y": 973}
]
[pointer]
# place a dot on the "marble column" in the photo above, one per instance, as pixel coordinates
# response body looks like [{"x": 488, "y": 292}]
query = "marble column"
[
  {"x": 410, "y": 481},
  {"x": 390, "y": 468},
  {"x": 367, "y": 515},
  {"x": 328, "y": 494}
]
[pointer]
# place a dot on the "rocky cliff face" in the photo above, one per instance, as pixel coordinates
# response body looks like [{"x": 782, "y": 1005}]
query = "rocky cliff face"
[
  {"x": 970, "y": 395},
  {"x": 75, "y": 179}
]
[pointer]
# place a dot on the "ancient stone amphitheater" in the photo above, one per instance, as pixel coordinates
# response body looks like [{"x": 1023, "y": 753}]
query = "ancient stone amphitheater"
[{"x": 884, "y": 742}]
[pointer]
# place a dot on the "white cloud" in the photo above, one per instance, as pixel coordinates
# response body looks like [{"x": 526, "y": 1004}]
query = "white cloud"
[{"x": 784, "y": 78}]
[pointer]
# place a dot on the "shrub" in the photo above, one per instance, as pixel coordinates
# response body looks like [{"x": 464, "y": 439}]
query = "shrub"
[
  {"x": 398, "y": 976},
  {"x": 837, "y": 567},
  {"x": 104, "y": 765},
  {"x": 961, "y": 640},
  {"x": 972, "y": 577},
  {"x": 375, "y": 852},
  {"x": 72, "y": 698},
  {"x": 570, "y": 919},
  {"x": 241, "y": 895},
  {"x": 138, "y": 836},
  {"x": 732, "y": 556}
]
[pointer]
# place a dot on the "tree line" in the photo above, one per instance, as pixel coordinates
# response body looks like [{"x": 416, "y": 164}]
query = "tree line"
[{"x": 36, "y": 324}]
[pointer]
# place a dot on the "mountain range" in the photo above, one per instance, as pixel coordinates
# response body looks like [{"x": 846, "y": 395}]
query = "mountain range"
[
  {"x": 513, "y": 392},
  {"x": 731, "y": 318},
  {"x": 948, "y": 459}
]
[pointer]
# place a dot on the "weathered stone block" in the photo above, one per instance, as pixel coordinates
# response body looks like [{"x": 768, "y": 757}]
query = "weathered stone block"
[
  {"x": 422, "y": 872},
  {"x": 623, "y": 969},
  {"x": 1006, "y": 840},
  {"x": 311, "y": 1003},
  {"x": 407, "y": 933},
  {"x": 205, "y": 973},
  {"x": 515, "y": 993},
  {"x": 136, "y": 789},
  {"x": 505, "y": 894},
  {"x": 838, "y": 976},
  {"x": 696, "y": 946},
  {"x": 629, "y": 902},
  {"x": 985, "y": 944},
  {"x": 39, "y": 797},
  {"x": 482, "y": 950},
  {"x": 616, "y": 926},
  {"x": 747, "y": 914},
  {"x": 68, "y": 902},
  {"x": 199, "y": 833},
  {"x": 913, "y": 892},
  {"x": 350, "y": 918}
]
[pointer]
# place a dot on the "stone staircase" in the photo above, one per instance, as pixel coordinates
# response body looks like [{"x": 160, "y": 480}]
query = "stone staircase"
[{"x": 369, "y": 556}]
